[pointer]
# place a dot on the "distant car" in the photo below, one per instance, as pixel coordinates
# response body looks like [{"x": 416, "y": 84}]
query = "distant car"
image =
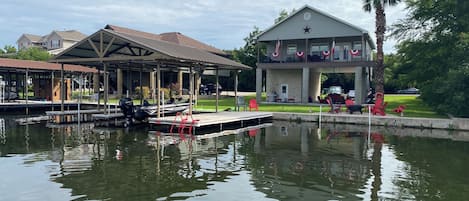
[
  {"x": 408, "y": 91},
  {"x": 11, "y": 95},
  {"x": 335, "y": 90},
  {"x": 209, "y": 89}
]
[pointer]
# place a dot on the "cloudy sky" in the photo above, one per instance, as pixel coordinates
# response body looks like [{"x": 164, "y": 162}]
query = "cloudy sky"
[{"x": 221, "y": 23}]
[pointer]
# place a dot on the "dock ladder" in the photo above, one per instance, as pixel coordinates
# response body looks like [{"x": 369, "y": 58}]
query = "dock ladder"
[{"x": 184, "y": 117}]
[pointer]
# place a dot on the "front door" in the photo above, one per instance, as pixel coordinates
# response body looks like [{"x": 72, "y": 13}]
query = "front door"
[{"x": 284, "y": 92}]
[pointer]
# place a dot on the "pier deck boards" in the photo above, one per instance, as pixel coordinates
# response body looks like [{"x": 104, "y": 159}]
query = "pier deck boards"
[{"x": 208, "y": 119}]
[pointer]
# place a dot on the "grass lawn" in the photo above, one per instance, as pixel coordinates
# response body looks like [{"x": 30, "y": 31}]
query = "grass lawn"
[{"x": 414, "y": 106}]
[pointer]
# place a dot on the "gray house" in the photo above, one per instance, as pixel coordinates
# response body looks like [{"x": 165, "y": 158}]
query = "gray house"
[{"x": 304, "y": 45}]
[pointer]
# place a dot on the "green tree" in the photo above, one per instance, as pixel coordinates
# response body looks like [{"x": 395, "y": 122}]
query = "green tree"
[
  {"x": 434, "y": 44},
  {"x": 380, "y": 23},
  {"x": 33, "y": 53},
  {"x": 247, "y": 55},
  {"x": 8, "y": 49},
  {"x": 282, "y": 15}
]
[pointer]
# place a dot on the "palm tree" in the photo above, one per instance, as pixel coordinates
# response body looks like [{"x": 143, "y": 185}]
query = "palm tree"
[{"x": 378, "y": 6}]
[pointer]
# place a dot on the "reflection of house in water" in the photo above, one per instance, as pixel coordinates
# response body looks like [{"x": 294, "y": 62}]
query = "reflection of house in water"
[{"x": 301, "y": 165}]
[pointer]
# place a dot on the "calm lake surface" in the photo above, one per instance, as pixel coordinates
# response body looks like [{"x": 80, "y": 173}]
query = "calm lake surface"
[{"x": 282, "y": 161}]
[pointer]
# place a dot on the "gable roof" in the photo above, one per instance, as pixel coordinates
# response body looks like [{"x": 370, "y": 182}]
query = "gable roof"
[
  {"x": 33, "y": 38},
  {"x": 121, "y": 47},
  {"x": 336, "y": 19},
  {"x": 173, "y": 37},
  {"x": 72, "y": 35}
]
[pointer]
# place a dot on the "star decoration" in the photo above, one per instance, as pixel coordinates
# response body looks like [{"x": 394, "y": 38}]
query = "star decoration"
[{"x": 306, "y": 29}]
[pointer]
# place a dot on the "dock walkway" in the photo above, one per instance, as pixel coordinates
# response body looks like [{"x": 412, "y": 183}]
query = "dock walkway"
[{"x": 210, "y": 119}]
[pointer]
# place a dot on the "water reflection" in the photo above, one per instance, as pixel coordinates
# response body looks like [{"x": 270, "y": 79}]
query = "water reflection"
[{"x": 285, "y": 161}]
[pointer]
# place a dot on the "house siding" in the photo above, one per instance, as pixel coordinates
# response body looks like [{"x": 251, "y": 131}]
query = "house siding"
[
  {"x": 275, "y": 78},
  {"x": 320, "y": 27}
]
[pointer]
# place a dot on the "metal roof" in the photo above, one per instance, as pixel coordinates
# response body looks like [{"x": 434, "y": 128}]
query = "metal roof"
[
  {"x": 110, "y": 47},
  {"x": 22, "y": 65},
  {"x": 173, "y": 37}
]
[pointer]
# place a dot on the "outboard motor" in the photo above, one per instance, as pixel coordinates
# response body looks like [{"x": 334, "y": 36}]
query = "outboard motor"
[{"x": 127, "y": 107}]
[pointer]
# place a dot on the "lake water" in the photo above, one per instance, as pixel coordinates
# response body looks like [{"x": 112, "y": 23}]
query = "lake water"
[{"x": 283, "y": 161}]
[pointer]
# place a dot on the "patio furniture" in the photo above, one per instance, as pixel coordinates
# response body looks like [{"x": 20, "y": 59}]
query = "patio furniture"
[
  {"x": 240, "y": 103},
  {"x": 253, "y": 105},
  {"x": 379, "y": 106},
  {"x": 400, "y": 110},
  {"x": 352, "y": 107},
  {"x": 335, "y": 108}
]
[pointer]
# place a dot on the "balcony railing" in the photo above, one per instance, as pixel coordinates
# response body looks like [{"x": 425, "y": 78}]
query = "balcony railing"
[{"x": 307, "y": 59}]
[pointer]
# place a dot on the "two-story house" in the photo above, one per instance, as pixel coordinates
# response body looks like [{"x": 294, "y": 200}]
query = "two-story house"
[
  {"x": 29, "y": 40},
  {"x": 54, "y": 42},
  {"x": 304, "y": 45}
]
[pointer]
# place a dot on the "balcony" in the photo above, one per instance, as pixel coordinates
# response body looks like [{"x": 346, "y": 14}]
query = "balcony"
[{"x": 312, "y": 61}]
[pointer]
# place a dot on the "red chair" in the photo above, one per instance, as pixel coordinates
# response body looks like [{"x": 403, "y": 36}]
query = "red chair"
[
  {"x": 253, "y": 105},
  {"x": 334, "y": 108},
  {"x": 400, "y": 110},
  {"x": 380, "y": 105}
]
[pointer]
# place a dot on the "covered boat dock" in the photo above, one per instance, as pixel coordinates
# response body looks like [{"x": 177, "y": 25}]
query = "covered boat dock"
[{"x": 108, "y": 49}]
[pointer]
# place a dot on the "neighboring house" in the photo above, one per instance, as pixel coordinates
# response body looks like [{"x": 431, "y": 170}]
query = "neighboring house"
[
  {"x": 29, "y": 40},
  {"x": 304, "y": 45},
  {"x": 54, "y": 42}
]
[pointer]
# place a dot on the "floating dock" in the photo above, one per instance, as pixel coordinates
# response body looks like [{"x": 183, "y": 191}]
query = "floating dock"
[{"x": 204, "y": 120}]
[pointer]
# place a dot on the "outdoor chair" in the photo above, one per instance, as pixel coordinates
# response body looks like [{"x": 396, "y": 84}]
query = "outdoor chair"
[
  {"x": 400, "y": 110},
  {"x": 352, "y": 107},
  {"x": 240, "y": 103},
  {"x": 253, "y": 105},
  {"x": 335, "y": 108},
  {"x": 380, "y": 105}
]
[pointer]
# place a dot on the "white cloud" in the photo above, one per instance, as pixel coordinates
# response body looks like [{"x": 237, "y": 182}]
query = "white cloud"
[{"x": 222, "y": 24}]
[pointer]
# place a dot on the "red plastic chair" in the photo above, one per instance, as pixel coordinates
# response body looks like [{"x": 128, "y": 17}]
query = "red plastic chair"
[
  {"x": 380, "y": 105},
  {"x": 334, "y": 108},
  {"x": 400, "y": 110},
  {"x": 253, "y": 105}
]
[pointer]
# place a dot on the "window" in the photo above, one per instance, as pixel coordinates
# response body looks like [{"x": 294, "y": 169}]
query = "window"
[
  {"x": 55, "y": 43},
  {"x": 291, "y": 49},
  {"x": 317, "y": 49}
]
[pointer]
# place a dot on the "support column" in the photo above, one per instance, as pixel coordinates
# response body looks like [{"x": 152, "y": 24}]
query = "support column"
[
  {"x": 27, "y": 90},
  {"x": 216, "y": 90},
  {"x": 120, "y": 82},
  {"x": 315, "y": 85},
  {"x": 106, "y": 87},
  {"x": 141, "y": 84},
  {"x": 158, "y": 89},
  {"x": 360, "y": 82},
  {"x": 236, "y": 91},
  {"x": 180, "y": 81},
  {"x": 96, "y": 82},
  {"x": 258, "y": 84},
  {"x": 62, "y": 88},
  {"x": 97, "y": 91},
  {"x": 305, "y": 86},
  {"x": 198, "y": 80},
  {"x": 153, "y": 84},
  {"x": 191, "y": 89}
]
